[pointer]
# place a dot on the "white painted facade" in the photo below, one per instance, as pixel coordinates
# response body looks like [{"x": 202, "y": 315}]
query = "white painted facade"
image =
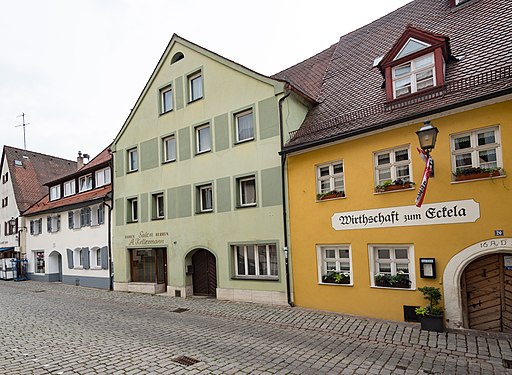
[{"x": 8, "y": 208}]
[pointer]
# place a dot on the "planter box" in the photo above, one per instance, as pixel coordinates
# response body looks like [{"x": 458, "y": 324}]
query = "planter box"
[
  {"x": 476, "y": 176},
  {"x": 434, "y": 323},
  {"x": 387, "y": 284},
  {"x": 398, "y": 187},
  {"x": 332, "y": 196}
]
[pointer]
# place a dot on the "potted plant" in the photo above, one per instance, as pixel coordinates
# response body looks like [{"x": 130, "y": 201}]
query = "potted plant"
[
  {"x": 398, "y": 184},
  {"x": 473, "y": 173},
  {"x": 330, "y": 195},
  {"x": 382, "y": 279},
  {"x": 431, "y": 315},
  {"x": 399, "y": 280},
  {"x": 336, "y": 278}
]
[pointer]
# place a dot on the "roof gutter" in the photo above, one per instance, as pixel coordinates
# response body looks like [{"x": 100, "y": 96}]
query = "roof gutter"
[{"x": 320, "y": 142}]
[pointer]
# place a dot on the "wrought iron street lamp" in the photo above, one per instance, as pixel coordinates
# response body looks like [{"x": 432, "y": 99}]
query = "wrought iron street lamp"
[{"x": 427, "y": 136}]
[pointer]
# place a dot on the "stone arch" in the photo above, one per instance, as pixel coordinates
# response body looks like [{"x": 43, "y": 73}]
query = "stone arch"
[{"x": 453, "y": 272}]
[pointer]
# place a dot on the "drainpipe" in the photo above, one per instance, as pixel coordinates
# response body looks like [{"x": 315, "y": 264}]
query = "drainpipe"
[
  {"x": 110, "y": 207},
  {"x": 283, "y": 197}
]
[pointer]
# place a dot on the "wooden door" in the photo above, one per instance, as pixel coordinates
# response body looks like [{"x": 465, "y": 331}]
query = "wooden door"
[
  {"x": 205, "y": 273},
  {"x": 487, "y": 294}
]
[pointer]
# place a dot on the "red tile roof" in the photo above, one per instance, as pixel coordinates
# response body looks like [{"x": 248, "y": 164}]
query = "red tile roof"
[
  {"x": 44, "y": 205},
  {"x": 36, "y": 169},
  {"x": 352, "y": 97}
]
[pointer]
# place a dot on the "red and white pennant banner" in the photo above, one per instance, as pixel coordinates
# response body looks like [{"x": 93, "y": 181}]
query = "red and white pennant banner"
[{"x": 429, "y": 163}]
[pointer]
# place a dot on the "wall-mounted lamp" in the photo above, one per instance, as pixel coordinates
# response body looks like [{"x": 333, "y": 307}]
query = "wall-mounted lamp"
[{"x": 427, "y": 136}]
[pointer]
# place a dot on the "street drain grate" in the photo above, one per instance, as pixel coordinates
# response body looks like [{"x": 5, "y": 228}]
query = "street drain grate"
[
  {"x": 507, "y": 363},
  {"x": 39, "y": 291},
  {"x": 184, "y": 360},
  {"x": 179, "y": 310}
]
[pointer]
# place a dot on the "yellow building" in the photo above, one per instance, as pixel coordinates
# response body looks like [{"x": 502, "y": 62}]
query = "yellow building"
[{"x": 359, "y": 244}]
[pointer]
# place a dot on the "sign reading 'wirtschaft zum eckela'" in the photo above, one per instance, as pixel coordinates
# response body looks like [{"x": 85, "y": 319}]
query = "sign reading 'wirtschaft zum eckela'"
[{"x": 453, "y": 212}]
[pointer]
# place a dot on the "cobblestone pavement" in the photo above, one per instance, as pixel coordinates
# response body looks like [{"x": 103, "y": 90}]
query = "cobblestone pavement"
[{"x": 52, "y": 328}]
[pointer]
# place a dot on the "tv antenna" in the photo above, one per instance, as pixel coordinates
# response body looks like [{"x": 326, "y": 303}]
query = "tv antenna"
[{"x": 23, "y": 124}]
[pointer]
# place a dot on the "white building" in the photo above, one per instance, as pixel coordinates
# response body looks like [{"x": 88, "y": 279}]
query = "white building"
[{"x": 69, "y": 229}]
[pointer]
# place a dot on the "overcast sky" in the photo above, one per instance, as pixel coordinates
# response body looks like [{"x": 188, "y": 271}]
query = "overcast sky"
[{"x": 76, "y": 67}]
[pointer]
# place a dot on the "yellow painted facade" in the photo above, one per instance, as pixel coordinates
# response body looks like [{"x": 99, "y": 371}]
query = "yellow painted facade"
[{"x": 310, "y": 219}]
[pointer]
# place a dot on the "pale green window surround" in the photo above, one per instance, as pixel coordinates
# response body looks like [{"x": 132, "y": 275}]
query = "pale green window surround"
[
  {"x": 223, "y": 193},
  {"x": 221, "y": 132},
  {"x": 119, "y": 205},
  {"x": 119, "y": 163},
  {"x": 184, "y": 143},
  {"x": 271, "y": 187},
  {"x": 178, "y": 88},
  {"x": 148, "y": 156},
  {"x": 144, "y": 207}
]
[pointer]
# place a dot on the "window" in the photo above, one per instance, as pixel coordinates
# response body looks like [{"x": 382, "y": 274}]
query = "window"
[
  {"x": 11, "y": 227},
  {"x": 413, "y": 76},
  {"x": 476, "y": 149},
  {"x": 392, "y": 266},
  {"x": 54, "y": 192},
  {"x": 5, "y": 202},
  {"x": 203, "y": 139},
  {"x": 39, "y": 262},
  {"x": 81, "y": 258},
  {"x": 132, "y": 210},
  {"x": 166, "y": 100},
  {"x": 205, "y": 193},
  {"x": 69, "y": 188},
  {"x": 148, "y": 265},
  {"x": 158, "y": 207},
  {"x": 100, "y": 214},
  {"x": 255, "y": 260},
  {"x": 103, "y": 177},
  {"x": 334, "y": 264},
  {"x": 244, "y": 124},
  {"x": 85, "y": 217},
  {"x": 169, "y": 148},
  {"x": 195, "y": 86},
  {"x": 246, "y": 191},
  {"x": 96, "y": 257},
  {"x": 36, "y": 226},
  {"x": 392, "y": 165},
  {"x": 132, "y": 160},
  {"x": 53, "y": 223},
  {"x": 5, "y": 177},
  {"x": 330, "y": 177},
  {"x": 85, "y": 183},
  {"x": 74, "y": 219}
]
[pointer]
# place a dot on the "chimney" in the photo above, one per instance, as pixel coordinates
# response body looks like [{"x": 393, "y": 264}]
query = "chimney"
[{"x": 79, "y": 160}]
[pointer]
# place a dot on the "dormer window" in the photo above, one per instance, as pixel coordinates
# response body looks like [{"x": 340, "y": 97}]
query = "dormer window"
[
  {"x": 85, "y": 183},
  {"x": 69, "y": 188},
  {"x": 413, "y": 76},
  {"x": 55, "y": 192},
  {"x": 416, "y": 62}
]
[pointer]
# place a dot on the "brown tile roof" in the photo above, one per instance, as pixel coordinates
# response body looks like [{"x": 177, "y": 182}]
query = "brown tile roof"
[
  {"x": 308, "y": 75},
  {"x": 98, "y": 162},
  {"x": 352, "y": 98},
  {"x": 44, "y": 205},
  {"x": 35, "y": 170}
]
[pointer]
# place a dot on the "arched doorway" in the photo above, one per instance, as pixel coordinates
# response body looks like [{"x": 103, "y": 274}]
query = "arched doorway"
[
  {"x": 486, "y": 288},
  {"x": 204, "y": 278},
  {"x": 54, "y": 266}
]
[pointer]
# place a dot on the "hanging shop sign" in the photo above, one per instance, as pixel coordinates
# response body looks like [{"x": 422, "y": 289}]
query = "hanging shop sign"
[{"x": 453, "y": 212}]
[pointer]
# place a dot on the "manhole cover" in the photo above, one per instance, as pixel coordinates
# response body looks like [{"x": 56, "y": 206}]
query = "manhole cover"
[
  {"x": 184, "y": 360},
  {"x": 179, "y": 310}
]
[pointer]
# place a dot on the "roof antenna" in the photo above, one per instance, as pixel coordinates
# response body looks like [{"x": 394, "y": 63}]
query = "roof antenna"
[{"x": 23, "y": 124}]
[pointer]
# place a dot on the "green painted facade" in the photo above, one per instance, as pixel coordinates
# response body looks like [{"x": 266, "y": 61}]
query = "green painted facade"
[{"x": 227, "y": 89}]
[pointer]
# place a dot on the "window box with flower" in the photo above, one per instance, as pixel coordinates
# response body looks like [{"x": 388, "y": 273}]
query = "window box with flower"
[
  {"x": 475, "y": 173},
  {"x": 398, "y": 184},
  {"x": 330, "y": 195},
  {"x": 336, "y": 278},
  {"x": 399, "y": 280}
]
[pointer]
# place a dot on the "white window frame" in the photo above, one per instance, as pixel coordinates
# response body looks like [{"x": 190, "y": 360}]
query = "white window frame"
[
  {"x": 254, "y": 248},
  {"x": 322, "y": 261},
  {"x": 103, "y": 177},
  {"x": 54, "y": 225},
  {"x": 54, "y": 192},
  {"x": 198, "y": 131},
  {"x": 201, "y": 190},
  {"x": 166, "y": 99},
  {"x": 240, "y": 185},
  {"x": 133, "y": 210},
  {"x": 95, "y": 254},
  {"x": 133, "y": 160},
  {"x": 158, "y": 206},
  {"x": 69, "y": 188},
  {"x": 413, "y": 74},
  {"x": 77, "y": 261},
  {"x": 475, "y": 149},
  {"x": 393, "y": 165},
  {"x": 166, "y": 142},
  {"x": 373, "y": 259},
  {"x": 192, "y": 94},
  {"x": 85, "y": 183},
  {"x": 331, "y": 178},
  {"x": 238, "y": 116},
  {"x": 36, "y": 226}
]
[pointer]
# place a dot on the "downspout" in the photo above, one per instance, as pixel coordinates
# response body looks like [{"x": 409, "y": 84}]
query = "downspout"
[
  {"x": 283, "y": 197},
  {"x": 109, "y": 240}
]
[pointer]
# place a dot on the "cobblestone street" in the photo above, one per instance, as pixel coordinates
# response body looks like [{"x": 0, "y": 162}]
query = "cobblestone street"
[{"x": 61, "y": 329}]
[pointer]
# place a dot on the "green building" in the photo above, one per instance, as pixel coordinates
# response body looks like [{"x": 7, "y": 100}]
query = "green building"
[{"x": 198, "y": 180}]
